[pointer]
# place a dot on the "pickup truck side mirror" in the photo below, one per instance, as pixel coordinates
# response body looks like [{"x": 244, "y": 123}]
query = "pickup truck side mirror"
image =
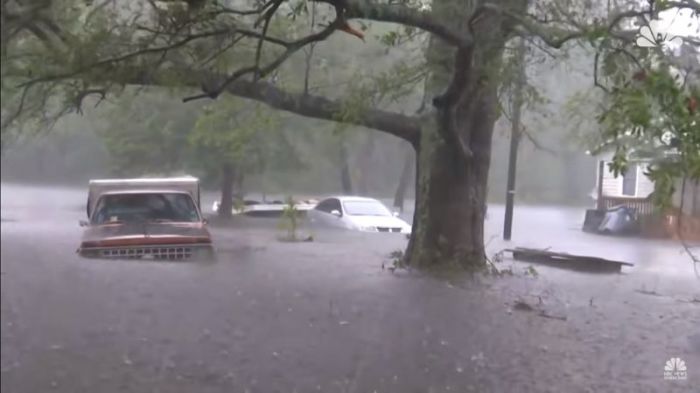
[
  {"x": 83, "y": 223},
  {"x": 336, "y": 213},
  {"x": 205, "y": 221}
]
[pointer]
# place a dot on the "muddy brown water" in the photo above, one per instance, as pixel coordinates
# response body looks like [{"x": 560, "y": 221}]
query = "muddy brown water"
[{"x": 326, "y": 317}]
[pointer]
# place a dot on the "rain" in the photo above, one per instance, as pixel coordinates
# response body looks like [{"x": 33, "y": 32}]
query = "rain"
[{"x": 411, "y": 196}]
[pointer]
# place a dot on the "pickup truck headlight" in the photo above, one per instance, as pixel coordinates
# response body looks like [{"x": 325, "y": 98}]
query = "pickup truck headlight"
[{"x": 367, "y": 228}]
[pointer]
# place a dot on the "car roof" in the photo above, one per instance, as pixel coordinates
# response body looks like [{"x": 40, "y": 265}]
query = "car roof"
[
  {"x": 350, "y": 198},
  {"x": 147, "y": 180},
  {"x": 144, "y": 191}
]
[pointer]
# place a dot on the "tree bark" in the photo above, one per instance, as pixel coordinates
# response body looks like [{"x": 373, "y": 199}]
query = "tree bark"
[
  {"x": 406, "y": 172},
  {"x": 451, "y": 199},
  {"x": 345, "y": 178},
  {"x": 454, "y": 153},
  {"x": 238, "y": 191},
  {"x": 228, "y": 177}
]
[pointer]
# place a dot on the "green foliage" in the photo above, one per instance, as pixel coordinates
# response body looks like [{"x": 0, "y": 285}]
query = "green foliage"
[
  {"x": 146, "y": 133},
  {"x": 232, "y": 131},
  {"x": 651, "y": 118},
  {"x": 290, "y": 220}
]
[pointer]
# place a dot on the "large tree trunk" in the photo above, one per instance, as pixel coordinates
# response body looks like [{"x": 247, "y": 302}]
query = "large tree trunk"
[
  {"x": 406, "y": 172},
  {"x": 345, "y": 178},
  {"x": 228, "y": 177},
  {"x": 238, "y": 191},
  {"x": 454, "y": 152},
  {"x": 451, "y": 200}
]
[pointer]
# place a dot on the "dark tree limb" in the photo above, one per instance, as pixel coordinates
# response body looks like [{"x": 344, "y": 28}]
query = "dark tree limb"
[
  {"x": 399, "y": 125},
  {"x": 596, "y": 81},
  {"x": 20, "y": 108},
  {"x": 307, "y": 105},
  {"x": 102, "y": 93},
  {"x": 447, "y": 102},
  {"x": 382, "y": 12}
]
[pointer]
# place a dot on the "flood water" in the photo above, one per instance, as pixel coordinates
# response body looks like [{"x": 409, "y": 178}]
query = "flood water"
[{"x": 329, "y": 316}]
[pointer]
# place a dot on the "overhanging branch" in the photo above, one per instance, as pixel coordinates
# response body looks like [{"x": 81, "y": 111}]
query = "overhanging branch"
[
  {"x": 366, "y": 9},
  {"x": 307, "y": 105},
  {"x": 399, "y": 125}
]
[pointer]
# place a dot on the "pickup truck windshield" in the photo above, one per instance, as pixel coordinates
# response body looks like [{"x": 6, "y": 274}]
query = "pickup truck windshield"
[{"x": 138, "y": 207}]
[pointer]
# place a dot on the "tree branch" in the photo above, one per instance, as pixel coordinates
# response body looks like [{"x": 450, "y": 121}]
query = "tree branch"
[
  {"x": 102, "y": 93},
  {"x": 262, "y": 72},
  {"x": 596, "y": 81},
  {"x": 313, "y": 106},
  {"x": 366, "y": 9},
  {"x": 402, "y": 126}
]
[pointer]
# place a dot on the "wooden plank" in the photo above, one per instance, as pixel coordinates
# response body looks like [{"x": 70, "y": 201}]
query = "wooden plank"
[{"x": 566, "y": 260}]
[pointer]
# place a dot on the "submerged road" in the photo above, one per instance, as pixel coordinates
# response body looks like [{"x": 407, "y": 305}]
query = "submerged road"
[{"x": 325, "y": 317}]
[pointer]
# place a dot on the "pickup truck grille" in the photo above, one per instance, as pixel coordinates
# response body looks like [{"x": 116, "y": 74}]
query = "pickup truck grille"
[
  {"x": 387, "y": 229},
  {"x": 150, "y": 252}
]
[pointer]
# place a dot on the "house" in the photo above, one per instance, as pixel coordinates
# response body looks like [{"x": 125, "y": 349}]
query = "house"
[
  {"x": 634, "y": 183},
  {"x": 633, "y": 188}
]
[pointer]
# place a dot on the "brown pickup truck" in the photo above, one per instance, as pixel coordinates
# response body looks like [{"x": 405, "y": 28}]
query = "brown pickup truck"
[{"x": 145, "y": 219}]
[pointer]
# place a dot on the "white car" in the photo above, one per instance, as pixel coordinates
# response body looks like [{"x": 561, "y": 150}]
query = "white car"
[
  {"x": 357, "y": 213},
  {"x": 262, "y": 209}
]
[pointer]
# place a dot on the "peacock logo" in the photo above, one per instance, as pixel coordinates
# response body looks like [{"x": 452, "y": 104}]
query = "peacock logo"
[
  {"x": 675, "y": 369},
  {"x": 656, "y": 34}
]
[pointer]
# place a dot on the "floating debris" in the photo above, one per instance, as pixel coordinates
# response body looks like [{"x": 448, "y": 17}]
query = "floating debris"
[{"x": 565, "y": 260}]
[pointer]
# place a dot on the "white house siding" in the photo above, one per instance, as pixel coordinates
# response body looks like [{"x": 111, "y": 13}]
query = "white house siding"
[
  {"x": 612, "y": 186},
  {"x": 645, "y": 186}
]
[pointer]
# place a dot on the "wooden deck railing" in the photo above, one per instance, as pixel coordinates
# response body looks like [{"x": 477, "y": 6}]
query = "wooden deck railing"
[{"x": 644, "y": 206}]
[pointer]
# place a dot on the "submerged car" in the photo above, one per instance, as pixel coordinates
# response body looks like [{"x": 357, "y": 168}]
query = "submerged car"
[
  {"x": 145, "y": 219},
  {"x": 357, "y": 213},
  {"x": 266, "y": 209}
]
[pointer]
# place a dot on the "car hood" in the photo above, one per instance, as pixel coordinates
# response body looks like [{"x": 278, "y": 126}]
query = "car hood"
[
  {"x": 145, "y": 233},
  {"x": 378, "y": 221}
]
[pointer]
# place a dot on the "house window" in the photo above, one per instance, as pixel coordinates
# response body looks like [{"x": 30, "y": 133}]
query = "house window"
[{"x": 629, "y": 181}]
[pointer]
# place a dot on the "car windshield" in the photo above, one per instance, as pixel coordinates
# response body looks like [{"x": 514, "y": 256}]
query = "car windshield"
[
  {"x": 176, "y": 207},
  {"x": 365, "y": 208}
]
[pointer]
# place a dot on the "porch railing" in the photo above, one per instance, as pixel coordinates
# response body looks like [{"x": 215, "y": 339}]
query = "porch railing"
[{"x": 643, "y": 206}]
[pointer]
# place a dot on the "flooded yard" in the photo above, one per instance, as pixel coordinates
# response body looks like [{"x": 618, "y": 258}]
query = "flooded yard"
[{"x": 329, "y": 316}]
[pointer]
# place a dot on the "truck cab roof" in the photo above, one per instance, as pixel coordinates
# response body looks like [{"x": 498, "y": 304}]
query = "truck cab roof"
[{"x": 99, "y": 187}]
